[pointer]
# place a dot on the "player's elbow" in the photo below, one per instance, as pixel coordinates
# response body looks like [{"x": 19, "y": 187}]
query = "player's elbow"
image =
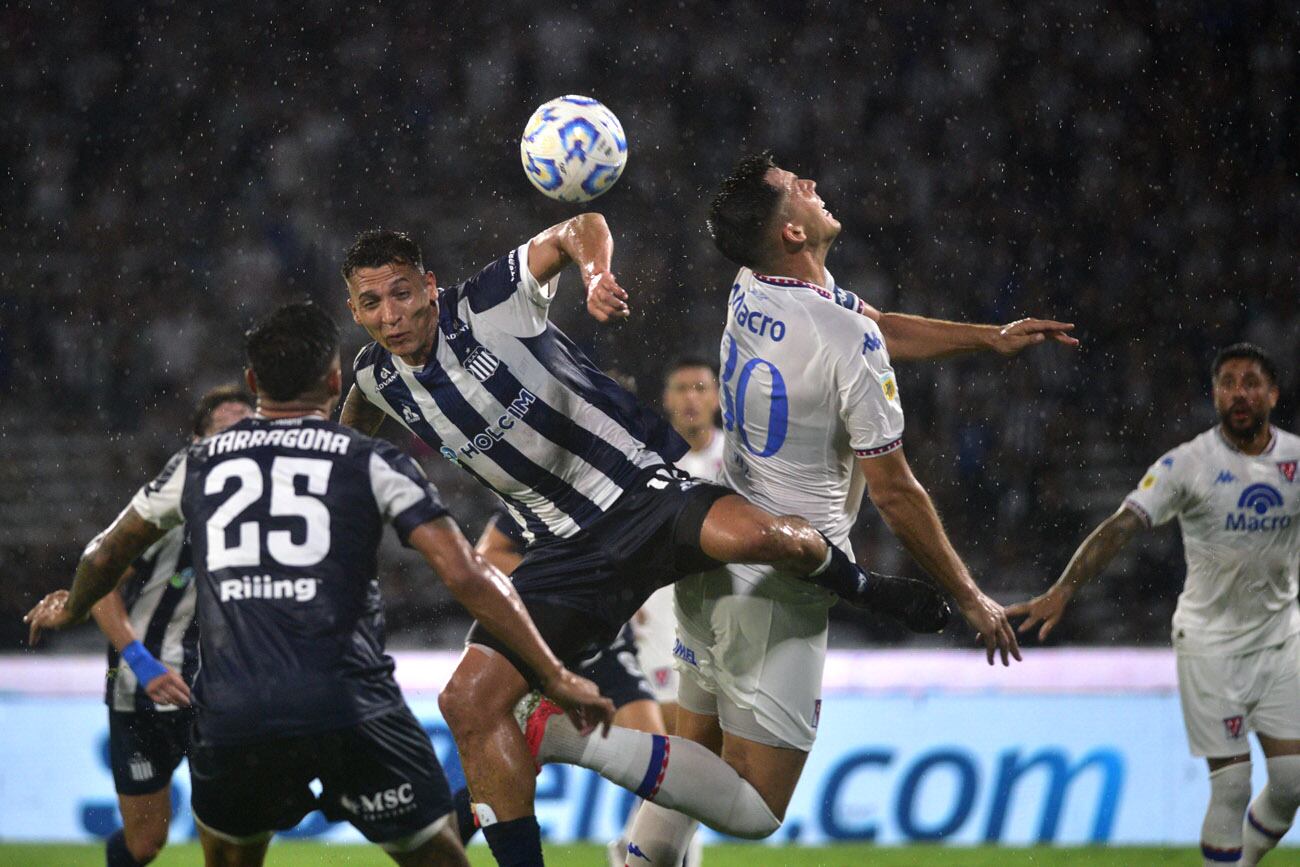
[{"x": 894, "y": 496}]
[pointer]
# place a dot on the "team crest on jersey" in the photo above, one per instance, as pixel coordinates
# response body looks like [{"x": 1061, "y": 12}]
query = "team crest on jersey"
[
  {"x": 1287, "y": 469},
  {"x": 482, "y": 364},
  {"x": 1235, "y": 727}
]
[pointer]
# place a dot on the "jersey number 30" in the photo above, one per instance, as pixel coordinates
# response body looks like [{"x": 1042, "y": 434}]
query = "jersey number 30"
[
  {"x": 733, "y": 407},
  {"x": 285, "y": 501}
]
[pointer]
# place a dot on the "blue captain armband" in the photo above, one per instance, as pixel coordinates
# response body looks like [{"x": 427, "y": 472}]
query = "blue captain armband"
[{"x": 142, "y": 662}]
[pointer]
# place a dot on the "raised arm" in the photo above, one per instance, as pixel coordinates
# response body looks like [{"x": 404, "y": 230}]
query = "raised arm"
[
  {"x": 100, "y": 568},
  {"x": 360, "y": 414},
  {"x": 1094, "y": 555},
  {"x": 490, "y": 597},
  {"x": 584, "y": 239},
  {"x": 917, "y": 338},
  {"x": 910, "y": 514}
]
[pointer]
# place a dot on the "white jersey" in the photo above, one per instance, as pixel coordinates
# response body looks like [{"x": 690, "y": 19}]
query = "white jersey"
[
  {"x": 512, "y": 401},
  {"x": 807, "y": 388},
  {"x": 1240, "y": 519},
  {"x": 706, "y": 463}
]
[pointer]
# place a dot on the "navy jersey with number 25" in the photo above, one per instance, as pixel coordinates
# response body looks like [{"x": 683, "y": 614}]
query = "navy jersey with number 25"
[{"x": 285, "y": 518}]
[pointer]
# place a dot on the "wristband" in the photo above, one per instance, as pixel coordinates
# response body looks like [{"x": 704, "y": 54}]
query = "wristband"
[{"x": 142, "y": 662}]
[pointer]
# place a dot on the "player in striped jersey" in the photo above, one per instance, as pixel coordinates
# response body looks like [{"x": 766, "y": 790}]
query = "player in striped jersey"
[
  {"x": 477, "y": 371},
  {"x": 152, "y": 658}
]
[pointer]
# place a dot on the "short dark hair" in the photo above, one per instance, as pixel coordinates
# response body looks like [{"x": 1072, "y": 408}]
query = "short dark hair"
[
  {"x": 214, "y": 397},
  {"x": 682, "y": 362},
  {"x": 1249, "y": 351},
  {"x": 378, "y": 247},
  {"x": 742, "y": 210},
  {"x": 292, "y": 349}
]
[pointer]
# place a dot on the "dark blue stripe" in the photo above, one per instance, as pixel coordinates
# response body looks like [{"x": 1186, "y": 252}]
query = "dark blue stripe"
[
  {"x": 1254, "y": 823},
  {"x": 543, "y": 418},
  {"x": 156, "y": 631},
  {"x": 566, "y": 362},
  {"x": 398, "y": 394},
  {"x": 489, "y": 287},
  {"x": 651, "y": 778},
  {"x": 1225, "y": 856}
]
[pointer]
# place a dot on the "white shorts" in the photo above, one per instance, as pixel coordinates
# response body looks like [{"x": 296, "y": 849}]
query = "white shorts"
[
  {"x": 655, "y": 629},
  {"x": 758, "y": 640},
  {"x": 1224, "y": 697}
]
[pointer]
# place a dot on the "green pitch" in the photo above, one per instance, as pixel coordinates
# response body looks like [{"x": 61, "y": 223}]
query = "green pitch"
[{"x": 313, "y": 854}]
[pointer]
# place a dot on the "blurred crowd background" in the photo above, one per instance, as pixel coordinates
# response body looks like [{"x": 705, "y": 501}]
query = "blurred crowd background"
[{"x": 172, "y": 170}]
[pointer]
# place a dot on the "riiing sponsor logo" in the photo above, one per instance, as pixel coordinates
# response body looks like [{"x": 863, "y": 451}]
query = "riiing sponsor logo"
[
  {"x": 266, "y": 587},
  {"x": 496, "y": 432},
  {"x": 382, "y": 804}
]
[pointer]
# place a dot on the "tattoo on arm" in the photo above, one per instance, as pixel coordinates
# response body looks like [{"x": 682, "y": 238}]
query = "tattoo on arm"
[
  {"x": 1101, "y": 546},
  {"x": 360, "y": 414},
  {"x": 104, "y": 562}
]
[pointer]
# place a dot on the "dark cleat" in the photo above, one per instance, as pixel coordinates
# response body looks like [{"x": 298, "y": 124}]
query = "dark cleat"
[{"x": 918, "y": 605}]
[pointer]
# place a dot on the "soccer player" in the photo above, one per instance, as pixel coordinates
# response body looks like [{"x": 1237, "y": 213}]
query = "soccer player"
[
  {"x": 812, "y": 415},
  {"x": 477, "y": 371},
  {"x": 152, "y": 658},
  {"x": 1234, "y": 492},
  {"x": 286, "y": 510}
]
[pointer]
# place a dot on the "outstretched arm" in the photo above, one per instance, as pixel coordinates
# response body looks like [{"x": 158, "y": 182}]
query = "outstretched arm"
[
  {"x": 584, "y": 239},
  {"x": 100, "y": 568},
  {"x": 910, "y": 514},
  {"x": 1093, "y": 555},
  {"x": 916, "y": 338},
  {"x": 360, "y": 414},
  {"x": 490, "y": 597}
]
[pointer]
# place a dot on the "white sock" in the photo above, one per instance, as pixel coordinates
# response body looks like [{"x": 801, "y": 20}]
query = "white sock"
[
  {"x": 660, "y": 837},
  {"x": 670, "y": 771},
  {"x": 1273, "y": 810},
  {"x": 1221, "y": 830}
]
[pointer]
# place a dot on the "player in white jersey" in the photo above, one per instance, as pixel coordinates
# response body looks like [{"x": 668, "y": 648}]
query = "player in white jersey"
[
  {"x": 813, "y": 419},
  {"x": 1236, "y": 630}
]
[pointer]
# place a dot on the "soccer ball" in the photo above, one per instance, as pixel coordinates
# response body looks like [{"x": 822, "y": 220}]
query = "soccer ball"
[{"x": 573, "y": 149}]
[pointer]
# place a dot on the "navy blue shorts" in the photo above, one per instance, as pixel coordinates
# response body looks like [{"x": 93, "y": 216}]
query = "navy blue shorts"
[
  {"x": 580, "y": 591},
  {"x": 381, "y": 775},
  {"x": 617, "y": 673},
  {"x": 145, "y": 747}
]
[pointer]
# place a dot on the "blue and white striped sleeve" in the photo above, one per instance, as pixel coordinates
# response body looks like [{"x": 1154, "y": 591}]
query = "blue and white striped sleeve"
[
  {"x": 405, "y": 496},
  {"x": 159, "y": 502},
  {"x": 507, "y": 294}
]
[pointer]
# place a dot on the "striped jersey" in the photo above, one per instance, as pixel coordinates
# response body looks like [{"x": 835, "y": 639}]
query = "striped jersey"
[
  {"x": 807, "y": 388},
  {"x": 514, "y": 403},
  {"x": 285, "y": 518},
  {"x": 160, "y": 603}
]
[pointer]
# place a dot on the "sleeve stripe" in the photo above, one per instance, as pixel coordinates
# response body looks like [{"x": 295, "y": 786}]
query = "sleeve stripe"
[
  {"x": 1141, "y": 512},
  {"x": 879, "y": 450},
  {"x": 394, "y": 492}
]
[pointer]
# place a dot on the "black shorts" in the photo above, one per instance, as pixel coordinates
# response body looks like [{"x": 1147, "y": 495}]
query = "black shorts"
[
  {"x": 616, "y": 671},
  {"x": 144, "y": 748},
  {"x": 381, "y": 775},
  {"x": 582, "y": 589}
]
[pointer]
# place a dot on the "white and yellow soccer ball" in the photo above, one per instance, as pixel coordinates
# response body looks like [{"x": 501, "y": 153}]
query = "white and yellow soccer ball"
[{"x": 573, "y": 149}]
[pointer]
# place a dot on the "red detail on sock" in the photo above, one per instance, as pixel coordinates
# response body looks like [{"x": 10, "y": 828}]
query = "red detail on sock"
[
  {"x": 536, "y": 728},
  {"x": 1258, "y": 826},
  {"x": 663, "y": 770}
]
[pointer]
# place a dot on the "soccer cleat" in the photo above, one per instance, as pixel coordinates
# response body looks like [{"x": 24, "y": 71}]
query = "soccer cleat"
[
  {"x": 535, "y": 729},
  {"x": 918, "y": 605}
]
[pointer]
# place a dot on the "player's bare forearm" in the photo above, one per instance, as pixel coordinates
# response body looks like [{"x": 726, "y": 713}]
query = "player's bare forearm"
[
  {"x": 360, "y": 414},
  {"x": 106, "y": 558},
  {"x": 584, "y": 239},
  {"x": 917, "y": 338},
  {"x": 485, "y": 593},
  {"x": 911, "y": 515},
  {"x": 1107, "y": 540},
  {"x": 113, "y": 620}
]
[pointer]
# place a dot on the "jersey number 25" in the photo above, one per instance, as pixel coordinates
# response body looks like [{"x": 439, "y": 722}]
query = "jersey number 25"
[{"x": 285, "y": 501}]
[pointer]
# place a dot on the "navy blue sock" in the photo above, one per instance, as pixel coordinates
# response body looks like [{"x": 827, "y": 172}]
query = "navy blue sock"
[
  {"x": 465, "y": 823},
  {"x": 517, "y": 843},
  {"x": 115, "y": 852},
  {"x": 841, "y": 576}
]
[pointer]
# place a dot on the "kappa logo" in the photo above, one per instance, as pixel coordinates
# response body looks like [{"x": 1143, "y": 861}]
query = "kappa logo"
[
  {"x": 1287, "y": 469},
  {"x": 634, "y": 852},
  {"x": 482, "y": 364},
  {"x": 1235, "y": 726},
  {"x": 870, "y": 343},
  {"x": 1225, "y": 478}
]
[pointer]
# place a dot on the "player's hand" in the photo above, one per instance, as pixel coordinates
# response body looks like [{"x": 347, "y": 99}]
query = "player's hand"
[
  {"x": 1047, "y": 609},
  {"x": 606, "y": 300},
  {"x": 989, "y": 620},
  {"x": 586, "y": 708},
  {"x": 1024, "y": 333},
  {"x": 50, "y": 613},
  {"x": 168, "y": 688}
]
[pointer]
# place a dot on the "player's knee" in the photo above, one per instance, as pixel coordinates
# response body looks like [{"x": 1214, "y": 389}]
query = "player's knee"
[
  {"x": 1230, "y": 789},
  {"x": 455, "y": 702},
  {"x": 751, "y": 818}
]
